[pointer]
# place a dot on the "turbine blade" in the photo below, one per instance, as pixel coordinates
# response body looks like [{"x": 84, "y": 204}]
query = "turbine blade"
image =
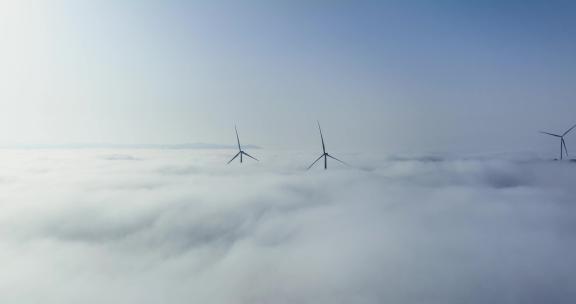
[
  {"x": 315, "y": 162},
  {"x": 321, "y": 137},
  {"x": 237, "y": 138},
  {"x": 233, "y": 158},
  {"x": 249, "y": 156},
  {"x": 550, "y": 134},
  {"x": 574, "y": 126},
  {"x": 334, "y": 158},
  {"x": 565, "y": 148}
]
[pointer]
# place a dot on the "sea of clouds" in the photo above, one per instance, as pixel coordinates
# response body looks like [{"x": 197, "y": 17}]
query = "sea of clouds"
[{"x": 179, "y": 226}]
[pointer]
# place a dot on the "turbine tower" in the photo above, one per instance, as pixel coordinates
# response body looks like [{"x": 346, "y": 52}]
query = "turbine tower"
[
  {"x": 240, "y": 152},
  {"x": 562, "y": 141},
  {"x": 324, "y": 153}
]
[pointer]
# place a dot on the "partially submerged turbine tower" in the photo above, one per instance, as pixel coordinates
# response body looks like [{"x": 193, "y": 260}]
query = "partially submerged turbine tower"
[
  {"x": 240, "y": 151},
  {"x": 324, "y": 153},
  {"x": 562, "y": 141}
]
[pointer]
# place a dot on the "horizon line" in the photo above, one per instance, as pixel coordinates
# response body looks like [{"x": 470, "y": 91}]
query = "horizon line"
[{"x": 181, "y": 146}]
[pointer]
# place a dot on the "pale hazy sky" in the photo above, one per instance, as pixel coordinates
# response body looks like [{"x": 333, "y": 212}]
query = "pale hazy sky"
[{"x": 390, "y": 75}]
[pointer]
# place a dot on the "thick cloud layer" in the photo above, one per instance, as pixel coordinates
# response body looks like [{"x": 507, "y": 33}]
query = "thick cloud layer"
[{"x": 96, "y": 226}]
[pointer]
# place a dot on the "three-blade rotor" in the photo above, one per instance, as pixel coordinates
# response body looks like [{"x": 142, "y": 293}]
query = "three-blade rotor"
[
  {"x": 563, "y": 148},
  {"x": 240, "y": 151},
  {"x": 325, "y": 154}
]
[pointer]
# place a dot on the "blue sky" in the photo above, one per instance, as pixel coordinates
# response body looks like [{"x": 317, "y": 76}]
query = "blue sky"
[{"x": 470, "y": 76}]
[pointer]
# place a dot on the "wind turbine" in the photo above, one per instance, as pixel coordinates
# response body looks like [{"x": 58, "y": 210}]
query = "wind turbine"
[
  {"x": 240, "y": 152},
  {"x": 324, "y": 153},
  {"x": 562, "y": 142}
]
